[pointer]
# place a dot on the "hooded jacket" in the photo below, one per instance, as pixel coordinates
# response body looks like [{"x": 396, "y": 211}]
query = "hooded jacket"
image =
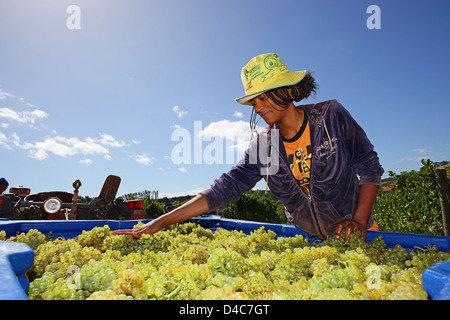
[{"x": 342, "y": 159}]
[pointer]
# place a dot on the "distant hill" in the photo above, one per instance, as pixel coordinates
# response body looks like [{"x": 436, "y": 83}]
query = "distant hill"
[{"x": 182, "y": 199}]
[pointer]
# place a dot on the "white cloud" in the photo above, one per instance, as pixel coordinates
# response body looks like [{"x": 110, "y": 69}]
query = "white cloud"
[
  {"x": 38, "y": 154},
  {"x": 15, "y": 139},
  {"x": 5, "y": 95},
  {"x": 40, "y": 149},
  {"x": 68, "y": 147},
  {"x": 24, "y": 116},
  {"x": 86, "y": 162},
  {"x": 4, "y": 141},
  {"x": 182, "y": 169},
  {"x": 227, "y": 129},
  {"x": 143, "y": 159},
  {"x": 53, "y": 144},
  {"x": 422, "y": 151},
  {"x": 238, "y": 114},
  {"x": 180, "y": 113},
  {"x": 64, "y": 147},
  {"x": 238, "y": 132},
  {"x": 109, "y": 140}
]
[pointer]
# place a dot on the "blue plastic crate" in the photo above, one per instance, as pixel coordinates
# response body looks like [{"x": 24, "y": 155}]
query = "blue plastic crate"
[
  {"x": 436, "y": 281},
  {"x": 17, "y": 258}
]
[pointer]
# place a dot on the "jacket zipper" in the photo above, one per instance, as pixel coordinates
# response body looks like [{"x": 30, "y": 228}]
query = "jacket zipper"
[
  {"x": 311, "y": 204},
  {"x": 308, "y": 195}
]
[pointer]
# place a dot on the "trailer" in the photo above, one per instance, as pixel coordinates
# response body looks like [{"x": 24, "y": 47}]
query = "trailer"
[{"x": 20, "y": 204}]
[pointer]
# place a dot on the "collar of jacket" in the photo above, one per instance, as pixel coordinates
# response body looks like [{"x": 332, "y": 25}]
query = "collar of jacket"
[{"x": 315, "y": 113}]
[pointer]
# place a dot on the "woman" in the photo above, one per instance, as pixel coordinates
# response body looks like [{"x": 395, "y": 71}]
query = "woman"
[{"x": 309, "y": 155}]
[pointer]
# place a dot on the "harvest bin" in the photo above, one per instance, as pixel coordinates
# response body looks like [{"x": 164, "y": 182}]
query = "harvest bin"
[{"x": 17, "y": 258}]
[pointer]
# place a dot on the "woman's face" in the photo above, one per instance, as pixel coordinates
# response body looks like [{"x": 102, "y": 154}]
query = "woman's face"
[{"x": 267, "y": 109}]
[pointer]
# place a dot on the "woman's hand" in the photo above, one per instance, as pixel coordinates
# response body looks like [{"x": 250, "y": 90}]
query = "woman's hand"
[
  {"x": 367, "y": 196},
  {"x": 150, "y": 227},
  {"x": 190, "y": 209},
  {"x": 350, "y": 226}
]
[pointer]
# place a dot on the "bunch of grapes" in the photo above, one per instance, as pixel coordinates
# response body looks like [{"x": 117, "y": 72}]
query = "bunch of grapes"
[
  {"x": 33, "y": 238},
  {"x": 226, "y": 261},
  {"x": 94, "y": 238},
  {"x": 187, "y": 261},
  {"x": 424, "y": 258},
  {"x": 354, "y": 241},
  {"x": 263, "y": 262},
  {"x": 46, "y": 255},
  {"x": 60, "y": 290}
]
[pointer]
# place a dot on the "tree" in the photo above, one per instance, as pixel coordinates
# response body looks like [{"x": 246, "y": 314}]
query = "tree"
[
  {"x": 255, "y": 206},
  {"x": 412, "y": 205}
]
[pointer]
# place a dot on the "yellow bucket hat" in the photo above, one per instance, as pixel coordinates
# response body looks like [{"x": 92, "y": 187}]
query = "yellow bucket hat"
[{"x": 266, "y": 72}]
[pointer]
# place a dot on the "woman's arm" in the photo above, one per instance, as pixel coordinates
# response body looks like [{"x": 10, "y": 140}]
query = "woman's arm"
[
  {"x": 227, "y": 188},
  {"x": 224, "y": 190},
  {"x": 366, "y": 199},
  {"x": 195, "y": 207},
  {"x": 365, "y": 163}
]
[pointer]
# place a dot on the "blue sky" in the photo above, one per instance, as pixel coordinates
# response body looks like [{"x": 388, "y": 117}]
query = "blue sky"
[{"x": 107, "y": 98}]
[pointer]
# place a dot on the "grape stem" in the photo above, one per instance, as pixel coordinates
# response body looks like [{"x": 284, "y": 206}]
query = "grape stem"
[{"x": 168, "y": 296}]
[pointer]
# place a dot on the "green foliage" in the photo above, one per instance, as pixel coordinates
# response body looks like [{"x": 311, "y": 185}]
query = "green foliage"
[
  {"x": 153, "y": 207},
  {"x": 255, "y": 206},
  {"x": 412, "y": 205}
]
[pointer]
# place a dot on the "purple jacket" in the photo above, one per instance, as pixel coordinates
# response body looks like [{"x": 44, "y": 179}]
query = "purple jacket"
[{"x": 341, "y": 153}]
